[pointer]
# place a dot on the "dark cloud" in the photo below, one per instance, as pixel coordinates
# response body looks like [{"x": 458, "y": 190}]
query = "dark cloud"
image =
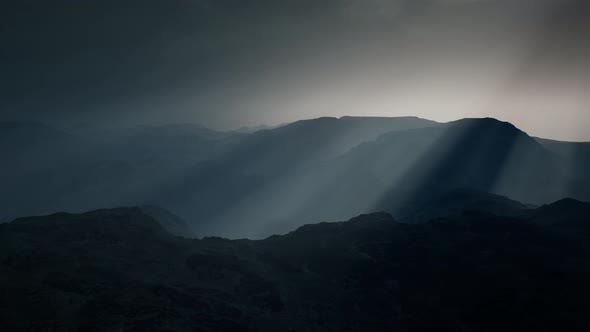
[{"x": 232, "y": 62}]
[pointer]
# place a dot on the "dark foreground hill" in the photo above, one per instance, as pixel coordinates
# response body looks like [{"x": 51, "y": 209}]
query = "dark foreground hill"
[{"x": 119, "y": 270}]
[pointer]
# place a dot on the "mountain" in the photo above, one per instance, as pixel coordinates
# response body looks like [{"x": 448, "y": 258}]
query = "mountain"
[
  {"x": 253, "y": 129},
  {"x": 168, "y": 220},
  {"x": 273, "y": 180},
  {"x": 268, "y": 171},
  {"x": 561, "y": 212},
  {"x": 455, "y": 202},
  {"x": 480, "y": 154},
  {"x": 203, "y": 175},
  {"x": 118, "y": 269},
  {"x": 308, "y": 141},
  {"x": 405, "y": 169},
  {"x": 574, "y": 162},
  {"x": 48, "y": 170}
]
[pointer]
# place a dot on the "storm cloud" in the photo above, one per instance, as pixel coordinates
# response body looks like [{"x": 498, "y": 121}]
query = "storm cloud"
[{"x": 228, "y": 63}]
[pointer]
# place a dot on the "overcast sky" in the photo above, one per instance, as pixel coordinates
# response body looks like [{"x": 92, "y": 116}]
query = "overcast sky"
[{"x": 228, "y": 63}]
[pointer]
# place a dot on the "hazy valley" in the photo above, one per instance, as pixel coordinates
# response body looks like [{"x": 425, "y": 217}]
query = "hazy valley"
[{"x": 470, "y": 225}]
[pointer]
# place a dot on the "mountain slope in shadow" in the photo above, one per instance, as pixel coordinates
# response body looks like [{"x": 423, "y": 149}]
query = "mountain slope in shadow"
[
  {"x": 119, "y": 269},
  {"x": 78, "y": 170},
  {"x": 574, "y": 162},
  {"x": 271, "y": 181},
  {"x": 480, "y": 154},
  {"x": 254, "y": 176},
  {"x": 184, "y": 167},
  {"x": 168, "y": 220},
  {"x": 439, "y": 204},
  {"x": 407, "y": 169}
]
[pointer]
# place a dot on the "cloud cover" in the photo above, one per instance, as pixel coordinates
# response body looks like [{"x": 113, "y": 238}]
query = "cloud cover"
[{"x": 227, "y": 63}]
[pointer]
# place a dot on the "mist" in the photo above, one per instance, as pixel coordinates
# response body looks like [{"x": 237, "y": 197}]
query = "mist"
[
  {"x": 294, "y": 165},
  {"x": 228, "y": 64}
]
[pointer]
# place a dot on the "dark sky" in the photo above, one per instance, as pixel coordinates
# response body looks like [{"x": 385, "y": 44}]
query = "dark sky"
[{"x": 228, "y": 63}]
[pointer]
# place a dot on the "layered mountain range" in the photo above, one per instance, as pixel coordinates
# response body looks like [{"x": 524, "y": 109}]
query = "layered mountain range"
[
  {"x": 470, "y": 225},
  {"x": 254, "y": 183}
]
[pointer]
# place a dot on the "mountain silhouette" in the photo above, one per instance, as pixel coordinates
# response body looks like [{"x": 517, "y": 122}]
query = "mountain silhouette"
[
  {"x": 406, "y": 168},
  {"x": 254, "y": 184},
  {"x": 114, "y": 269},
  {"x": 455, "y": 202},
  {"x": 169, "y": 221}
]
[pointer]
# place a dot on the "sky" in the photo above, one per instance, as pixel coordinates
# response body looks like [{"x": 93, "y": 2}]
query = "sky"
[{"x": 230, "y": 63}]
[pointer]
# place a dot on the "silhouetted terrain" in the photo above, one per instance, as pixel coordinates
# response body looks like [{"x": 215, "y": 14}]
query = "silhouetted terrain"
[
  {"x": 169, "y": 221},
  {"x": 192, "y": 170},
  {"x": 189, "y": 165},
  {"x": 255, "y": 183},
  {"x": 119, "y": 270}
]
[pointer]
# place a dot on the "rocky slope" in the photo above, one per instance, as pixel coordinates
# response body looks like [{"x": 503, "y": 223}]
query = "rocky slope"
[{"x": 119, "y": 270}]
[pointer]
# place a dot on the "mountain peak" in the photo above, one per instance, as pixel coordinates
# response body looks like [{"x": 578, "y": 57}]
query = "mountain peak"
[
  {"x": 370, "y": 221},
  {"x": 119, "y": 222},
  {"x": 566, "y": 203},
  {"x": 564, "y": 211},
  {"x": 487, "y": 122}
]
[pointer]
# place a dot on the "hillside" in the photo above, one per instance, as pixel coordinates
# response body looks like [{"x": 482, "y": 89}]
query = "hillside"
[
  {"x": 118, "y": 269},
  {"x": 273, "y": 180}
]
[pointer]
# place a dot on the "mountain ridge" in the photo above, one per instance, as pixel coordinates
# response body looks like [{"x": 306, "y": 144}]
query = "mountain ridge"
[
  {"x": 370, "y": 273},
  {"x": 298, "y": 173}
]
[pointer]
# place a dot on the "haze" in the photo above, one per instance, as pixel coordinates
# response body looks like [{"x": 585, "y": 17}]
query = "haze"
[{"x": 231, "y": 63}]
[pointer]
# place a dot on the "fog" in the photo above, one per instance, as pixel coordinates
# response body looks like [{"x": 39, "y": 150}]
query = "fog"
[{"x": 226, "y": 64}]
